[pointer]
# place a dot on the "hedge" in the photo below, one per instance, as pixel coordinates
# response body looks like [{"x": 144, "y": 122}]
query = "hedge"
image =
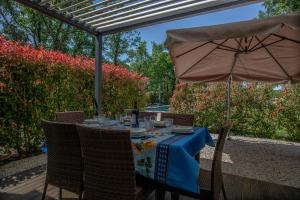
[
  {"x": 260, "y": 110},
  {"x": 35, "y": 83}
]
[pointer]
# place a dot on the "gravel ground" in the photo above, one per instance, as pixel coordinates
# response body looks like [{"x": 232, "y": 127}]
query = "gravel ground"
[{"x": 262, "y": 159}]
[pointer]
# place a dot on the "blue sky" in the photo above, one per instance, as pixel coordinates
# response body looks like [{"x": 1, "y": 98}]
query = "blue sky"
[{"x": 157, "y": 32}]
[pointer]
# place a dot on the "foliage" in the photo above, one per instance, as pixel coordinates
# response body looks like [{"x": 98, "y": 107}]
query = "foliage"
[
  {"x": 34, "y": 83},
  {"x": 18, "y": 22},
  {"x": 159, "y": 68},
  {"x": 257, "y": 109},
  {"x": 22, "y": 23},
  {"x": 118, "y": 48},
  {"x": 279, "y": 7}
]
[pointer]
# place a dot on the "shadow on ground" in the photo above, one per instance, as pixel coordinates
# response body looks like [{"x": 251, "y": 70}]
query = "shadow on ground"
[{"x": 20, "y": 177}]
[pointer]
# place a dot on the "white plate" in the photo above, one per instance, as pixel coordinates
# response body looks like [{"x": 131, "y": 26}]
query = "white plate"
[
  {"x": 182, "y": 129},
  {"x": 90, "y": 121},
  {"x": 137, "y": 131},
  {"x": 159, "y": 123}
]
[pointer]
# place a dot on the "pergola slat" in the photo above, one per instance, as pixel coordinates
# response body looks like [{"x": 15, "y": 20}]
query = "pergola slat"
[
  {"x": 95, "y": 5},
  {"x": 153, "y": 8},
  {"x": 74, "y": 6},
  {"x": 63, "y": 3},
  {"x": 96, "y": 17},
  {"x": 102, "y": 9},
  {"x": 161, "y": 15},
  {"x": 54, "y": 13},
  {"x": 164, "y": 17},
  {"x": 44, "y": 2},
  {"x": 131, "y": 11},
  {"x": 125, "y": 14}
]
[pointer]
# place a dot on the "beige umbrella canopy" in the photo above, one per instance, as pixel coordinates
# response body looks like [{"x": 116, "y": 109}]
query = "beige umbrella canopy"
[{"x": 260, "y": 50}]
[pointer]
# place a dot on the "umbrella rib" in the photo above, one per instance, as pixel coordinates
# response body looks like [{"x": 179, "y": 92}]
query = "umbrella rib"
[
  {"x": 228, "y": 49},
  {"x": 225, "y": 46},
  {"x": 277, "y": 62},
  {"x": 286, "y": 38},
  {"x": 267, "y": 44},
  {"x": 192, "y": 49},
  {"x": 193, "y": 65},
  {"x": 259, "y": 42},
  {"x": 239, "y": 43},
  {"x": 250, "y": 42}
]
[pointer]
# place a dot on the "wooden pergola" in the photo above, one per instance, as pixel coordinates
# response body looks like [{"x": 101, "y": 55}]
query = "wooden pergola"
[{"x": 102, "y": 17}]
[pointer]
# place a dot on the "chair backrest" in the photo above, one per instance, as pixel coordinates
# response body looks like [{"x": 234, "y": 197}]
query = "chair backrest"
[
  {"x": 64, "y": 166},
  {"x": 216, "y": 174},
  {"x": 70, "y": 117},
  {"x": 178, "y": 119},
  {"x": 147, "y": 114},
  {"x": 108, "y": 164}
]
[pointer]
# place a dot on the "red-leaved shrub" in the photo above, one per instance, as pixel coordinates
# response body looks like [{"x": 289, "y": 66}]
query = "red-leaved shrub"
[{"x": 34, "y": 83}]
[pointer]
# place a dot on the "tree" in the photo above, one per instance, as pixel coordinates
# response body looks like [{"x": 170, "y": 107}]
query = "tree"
[
  {"x": 140, "y": 59},
  {"x": 279, "y": 7},
  {"x": 159, "y": 68},
  {"x": 18, "y": 22},
  {"x": 117, "y": 47}
]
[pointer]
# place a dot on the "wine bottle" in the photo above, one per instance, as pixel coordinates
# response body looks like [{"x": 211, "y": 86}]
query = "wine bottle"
[{"x": 135, "y": 115}]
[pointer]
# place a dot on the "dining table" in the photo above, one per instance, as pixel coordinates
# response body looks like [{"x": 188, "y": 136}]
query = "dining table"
[{"x": 165, "y": 156}]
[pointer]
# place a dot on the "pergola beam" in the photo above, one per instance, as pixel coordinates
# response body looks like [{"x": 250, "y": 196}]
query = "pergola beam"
[{"x": 50, "y": 12}]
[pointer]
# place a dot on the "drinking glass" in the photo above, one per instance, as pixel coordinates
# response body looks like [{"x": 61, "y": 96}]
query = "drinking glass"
[
  {"x": 169, "y": 124},
  {"x": 153, "y": 118},
  {"x": 101, "y": 119},
  {"x": 148, "y": 123},
  {"x": 127, "y": 120}
]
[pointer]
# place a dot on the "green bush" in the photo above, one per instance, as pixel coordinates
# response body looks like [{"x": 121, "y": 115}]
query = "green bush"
[{"x": 257, "y": 109}]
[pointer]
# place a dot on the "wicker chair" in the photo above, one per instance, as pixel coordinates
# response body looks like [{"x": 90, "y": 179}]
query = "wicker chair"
[
  {"x": 109, "y": 172},
  {"x": 64, "y": 166},
  {"x": 178, "y": 119},
  {"x": 70, "y": 117},
  {"x": 147, "y": 114},
  {"x": 210, "y": 182}
]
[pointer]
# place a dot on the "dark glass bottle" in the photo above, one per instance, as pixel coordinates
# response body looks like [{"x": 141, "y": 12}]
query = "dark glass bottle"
[{"x": 135, "y": 115}]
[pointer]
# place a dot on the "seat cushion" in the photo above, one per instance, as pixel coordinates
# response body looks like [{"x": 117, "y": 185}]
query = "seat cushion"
[{"x": 205, "y": 179}]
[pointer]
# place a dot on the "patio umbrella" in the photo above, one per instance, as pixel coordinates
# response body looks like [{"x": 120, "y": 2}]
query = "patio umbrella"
[{"x": 257, "y": 50}]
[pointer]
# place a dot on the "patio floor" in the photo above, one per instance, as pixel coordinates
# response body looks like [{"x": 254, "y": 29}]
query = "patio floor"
[{"x": 29, "y": 186}]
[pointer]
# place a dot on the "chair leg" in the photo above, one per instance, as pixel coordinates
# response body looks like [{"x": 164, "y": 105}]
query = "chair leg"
[
  {"x": 159, "y": 194},
  {"x": 60, "y": 194},
  {"x": 224, "y": 193},
  {"x": 174, "y": 196},
  {"x": 80, "y": 195},
  {"x": 45, "y": 190}
]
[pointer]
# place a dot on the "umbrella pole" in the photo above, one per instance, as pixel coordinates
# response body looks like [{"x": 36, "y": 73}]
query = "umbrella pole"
[{"x": 228, "y": 116}]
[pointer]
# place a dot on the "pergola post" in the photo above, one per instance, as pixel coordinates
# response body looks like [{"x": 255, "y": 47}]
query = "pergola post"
[{"x": 98, "y": 73}]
